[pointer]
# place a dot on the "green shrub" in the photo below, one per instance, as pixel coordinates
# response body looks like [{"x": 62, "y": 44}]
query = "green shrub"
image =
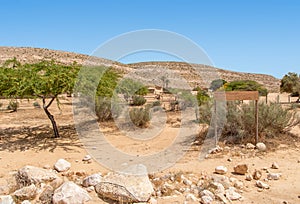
[
  {"x": 13, "y": 106},
  {"x": 246, "y": 85},
  {"x": 138, "y": 100},
  {"x": 140, "y": 116},
  {"x": 106, "y": 108},
  {"x": 36, "y": 105},
  {"x": 156, "y": 103}
]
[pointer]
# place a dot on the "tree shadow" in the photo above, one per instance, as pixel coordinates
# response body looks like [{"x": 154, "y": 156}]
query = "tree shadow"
[{"x": 38, "y": 138}]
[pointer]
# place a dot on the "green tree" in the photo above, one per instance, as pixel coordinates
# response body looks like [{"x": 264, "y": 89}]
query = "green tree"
[
  {"x": 290, "y": 83},
  {"x": 216, "y": 84},
  {"x": 246, "y": 85},
  {"x": 45, "y": 80},
  {"x": 129, "y": 88}
]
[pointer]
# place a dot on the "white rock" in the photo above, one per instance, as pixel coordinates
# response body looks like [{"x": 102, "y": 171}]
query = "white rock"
[
  {"x": 187, "y": 182},
  {"x": 261, "y": 146},
  {"x": 215, "y": 150},
  {"x": 26, "y": 202},
  {"x": 249, "y": 177},
  {"x": 26, "y": 193},
  {"x": 257, "y": 174},
  {"x": 224, "y": 180},
  {"x": 7, "y": 199},
  {"x": 152, "y": 201},
  {"x": 221, "y": 170},
  {"x": 92, "y": 180},
  {"x": 191, "y": 197},
  {"x": 206, "y": 199},
  {"x": 86, "y": 158},
  {"x": 207, "y": 193},
  {"x": 275, "y": 166},
  {"x": 219, "y": 188},
  {"x": 260, "y": 184},
  {"x": 238, "y": 184},
  {"x": 232, "y": 195},
  {"x": 62, "y": 165},
  {"x": 274, "y": 176},
  {"x": 128, "y": 188},
  {"x": 250, "y": 146},
  {"x": 34, "y": 175},
  {"x": 70, "y": 193}
]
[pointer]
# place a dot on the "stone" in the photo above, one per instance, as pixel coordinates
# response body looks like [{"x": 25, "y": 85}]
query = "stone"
[
  {"x": 176, "y": 125},
  {"x": 26, "y": 193},
  {"x": 92, "y": 180},
  {"x": 7, "y": 199},
  {"x": 62, "y": 165},
  {"x": 33, "y": 175},
  {"x": 249, "y": 177},
  {"x": 4, "y": 190},
  {"x": 250, "y": 146},
  {"x": 275, "y": 166},
  {"x": 217, "y": 187},
  {"x": 46, "y": 195},
  {"x": 206, "y": 199},
  {"x": 207, "y": 193},
  {"x": 215, "y": 150},
  {"x": 47, "y": 166},
  {"x": 25, "y": 202},
  {"x": 257, "y": 174},
  {"x": 152, "y": 201},
  {"x": 274, "y": 176},
  {"x": 222, "y": 198},
  {"x": 261, "y": 147},
  {"x": 238, "y": 184},
  {"x": 221, "y": 170},
  {"x": 70, "y": 193},
  {"x": 262, "y": 185},
  {"x": 241, "y": 169},
  {"x": 232, "y": 195},
  {"x": 224, "y": 180},
  {"x": 187, "y": 182},
  {"x": 86, "y": 158},
  {"x": 191, "y": 197},
  {"x": 125, "y": 187}
]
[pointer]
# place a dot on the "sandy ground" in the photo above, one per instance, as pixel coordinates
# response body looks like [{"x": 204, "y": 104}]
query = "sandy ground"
[{"x": 25, "y": 139}]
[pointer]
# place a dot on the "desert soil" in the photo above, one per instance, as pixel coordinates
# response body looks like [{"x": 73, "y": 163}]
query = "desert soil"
[{"x": 25, "y": 139}]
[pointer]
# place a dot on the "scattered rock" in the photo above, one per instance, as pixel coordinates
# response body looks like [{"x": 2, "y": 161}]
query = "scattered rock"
[
  {"x": 62, "y": 165},
  {"x": 217, "y": 188},
  {"x": 215, "y": 150},
  {"x": 176, "y": 125},
  {"x": 191, "y": 197},
  {"x": 70, "y": 193},
  {"x": 229, "y": 159},
  {"x": 26, "y": 202},
  {"x": 261, "y": 147},
  {"x": 257, "y": 174},
  {"x": 125, "y": 188},
  {"x": 47, "y": 166},
  {"x": 274, "y": 176},
  {"x": 7, "y": 199},
  {"x": 262, "y": 185},
  {"x": 206, "y": 199},
  {"x": 187, "y": 182},
  {"x": 249, "y": 177},
  {"x": 241, "y": 169},
  {"x": 275, "y": 166},
  {"x": 33, "y": 175},
  {"x": 26, "y": 193},
  {"x": 207, "y": 193},
  {"x": 238, "y": 184},
  {"x": 47, "y": 194},
  {"x": 221, "y": 197},
  {"x": 250, "y": 146},
  {"x": 152, "y": 201},
  {"x": 86, "y": 158},
  {"x": 92, "y": 180},
  {"x": 231, "y": 194},
  {"x": 224, "y": 180},
  {"x": 221, "y": 170}
]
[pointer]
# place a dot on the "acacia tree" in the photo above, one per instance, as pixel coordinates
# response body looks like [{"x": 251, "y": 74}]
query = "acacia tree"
[
  {"x": 45, "y": 80},
  {"x": 290, "y": 83}
]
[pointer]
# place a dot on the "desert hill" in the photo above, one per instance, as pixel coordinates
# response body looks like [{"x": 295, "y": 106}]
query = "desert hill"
[{"x": 195, "y": 74}]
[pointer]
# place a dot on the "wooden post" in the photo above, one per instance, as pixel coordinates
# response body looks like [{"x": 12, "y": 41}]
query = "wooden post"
[
  {"x": 289, "y": 98},
  {"x": 256, "y": 121},
  {"x": 278, "y": 98},
  {"x": 267, "y": 98},
  {"x": 216, "y": 124}
]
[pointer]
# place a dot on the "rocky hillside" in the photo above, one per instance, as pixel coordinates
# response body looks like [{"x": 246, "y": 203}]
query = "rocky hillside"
[{"x": 149, "y": 72}]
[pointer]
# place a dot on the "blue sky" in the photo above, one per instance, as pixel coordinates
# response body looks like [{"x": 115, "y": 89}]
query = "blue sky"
[{"x": 260, "y": 36}]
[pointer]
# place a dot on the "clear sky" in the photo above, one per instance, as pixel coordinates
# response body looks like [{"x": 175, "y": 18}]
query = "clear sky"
[{"x": 260, "y": 36}]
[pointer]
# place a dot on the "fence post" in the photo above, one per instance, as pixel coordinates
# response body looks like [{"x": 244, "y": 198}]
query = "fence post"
[{"x": 256, "y": 121}]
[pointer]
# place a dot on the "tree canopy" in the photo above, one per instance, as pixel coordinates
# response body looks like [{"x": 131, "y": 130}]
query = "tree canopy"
[
  {"x": 246, "y": 85},
  {"x": 290, "y": 83}
]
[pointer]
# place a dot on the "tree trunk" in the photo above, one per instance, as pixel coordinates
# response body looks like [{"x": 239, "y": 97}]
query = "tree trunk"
[{"x": 51, "y": 117}]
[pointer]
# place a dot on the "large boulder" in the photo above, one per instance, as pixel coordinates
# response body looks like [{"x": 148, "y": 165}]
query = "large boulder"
[
  {"x": 33, "y": 175},
  {"x": 70, "y": 193},
  {"x": 125, "y": 188}
]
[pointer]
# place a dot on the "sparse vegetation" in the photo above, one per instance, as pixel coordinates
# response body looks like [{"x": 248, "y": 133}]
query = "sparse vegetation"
[
  {"x": 216, "y": 84},
  {"x": 138, "y": 100},
  {"x": 246, "y": 85},
  {"x": 140, "y": 116}
]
